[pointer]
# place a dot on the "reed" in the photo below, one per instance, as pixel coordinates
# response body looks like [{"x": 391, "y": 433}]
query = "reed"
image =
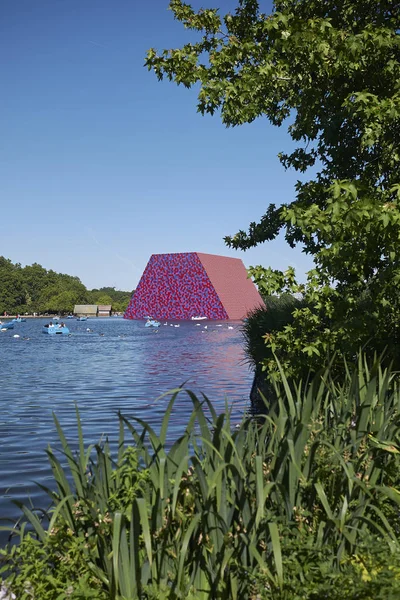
[{"x": 224, "y": 511}]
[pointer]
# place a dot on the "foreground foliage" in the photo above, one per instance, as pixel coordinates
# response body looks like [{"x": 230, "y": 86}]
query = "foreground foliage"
[
  {"x": 331, "y": 70},
  {"x": 301, "y": 503}
]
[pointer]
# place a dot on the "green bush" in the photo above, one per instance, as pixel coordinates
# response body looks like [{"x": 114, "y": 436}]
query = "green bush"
[
  {"x": 278, "y": 313},
  {"x": 372, "y": 573},
  {"x": 300, "y": 503}
]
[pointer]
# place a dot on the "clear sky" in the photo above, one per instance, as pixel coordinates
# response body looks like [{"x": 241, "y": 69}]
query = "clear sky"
[{"x": 101, "y": 165}]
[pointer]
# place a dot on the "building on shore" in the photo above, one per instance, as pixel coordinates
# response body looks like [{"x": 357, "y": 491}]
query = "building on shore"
[
  {"x": 104, "y": 310},
  {"x": 85, "y": 310},
  {"x": 193, "y": 285}
]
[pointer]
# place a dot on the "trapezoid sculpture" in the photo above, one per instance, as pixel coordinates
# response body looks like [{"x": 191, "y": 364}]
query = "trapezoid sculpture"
[{"x": 193, "y": 284}]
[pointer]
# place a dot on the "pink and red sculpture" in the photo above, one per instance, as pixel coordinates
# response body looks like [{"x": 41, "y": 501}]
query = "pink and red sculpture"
[{"x": 193, "y": 284}]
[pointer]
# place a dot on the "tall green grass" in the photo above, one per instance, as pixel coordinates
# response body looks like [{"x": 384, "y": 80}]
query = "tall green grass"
[{"x": 224, "y": 512}]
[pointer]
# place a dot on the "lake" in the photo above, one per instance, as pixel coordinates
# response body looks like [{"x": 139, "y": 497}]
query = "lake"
[{"x": 119, "y": 365}]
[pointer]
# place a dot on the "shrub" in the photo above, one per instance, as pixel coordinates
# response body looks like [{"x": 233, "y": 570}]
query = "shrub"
[{"x": 278, "y": 313}]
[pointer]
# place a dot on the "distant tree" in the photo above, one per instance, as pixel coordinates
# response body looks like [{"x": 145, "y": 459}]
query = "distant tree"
[
  {"x": 120, "y": 307},
  {"x": 100, "y": 298},
  {"x": 109, "y": 295},
  {"x": 12, "y": 293},
  {"x": 64, "y": 302},
  {"x": 35, "y": 277},
  {"x": 34, "y": 289},
  {"x": 61, "y": 297}
]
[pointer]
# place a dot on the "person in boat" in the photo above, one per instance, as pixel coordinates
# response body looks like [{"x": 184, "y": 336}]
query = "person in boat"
[{"x": 61, "y": 325}]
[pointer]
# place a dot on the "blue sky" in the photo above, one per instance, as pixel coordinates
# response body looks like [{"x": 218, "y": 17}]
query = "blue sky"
[{"x": 101, "y": 165}]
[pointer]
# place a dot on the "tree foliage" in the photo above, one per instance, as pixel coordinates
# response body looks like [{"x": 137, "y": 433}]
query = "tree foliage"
[
  {"x": 34, "y": 289},
  {"x": 109, "y": 295},
  {"x": 330, "y": 70}
]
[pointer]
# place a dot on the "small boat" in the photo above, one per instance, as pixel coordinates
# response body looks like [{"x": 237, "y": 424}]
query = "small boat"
[
  {"x": 198, "y": 318},
  {"x": 70, "y": 316},
  {"x": 82, "y": 319},
  {"x": 19, "y": 320},
  {"x": 56, "y": 318},
  {"x": 55, "y": 329},
  {"x": 9, "y": 325},
  {"x": 152, "y": 323}
]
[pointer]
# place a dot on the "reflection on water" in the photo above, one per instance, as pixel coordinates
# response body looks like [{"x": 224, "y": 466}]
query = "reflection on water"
[{"x": 118, "y": 366}]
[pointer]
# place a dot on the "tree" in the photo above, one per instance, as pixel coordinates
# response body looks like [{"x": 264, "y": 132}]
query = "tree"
[
  {"x": 330, "y": 69},
  {"x": 12, "y": 292},
  {"x": 109, "y": 295},
  {"x": 35, "y": 278},
  {"x": 103, "y": 299},
  {"x": 34, "y": 289},
  {"x": 62, "y": 296}
]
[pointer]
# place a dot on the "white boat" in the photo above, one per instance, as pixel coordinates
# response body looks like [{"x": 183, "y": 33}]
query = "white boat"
[{"x": 198, "y": 318}]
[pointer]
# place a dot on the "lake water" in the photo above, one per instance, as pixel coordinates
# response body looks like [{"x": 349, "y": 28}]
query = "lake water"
[{"x": 119, "y": 365}]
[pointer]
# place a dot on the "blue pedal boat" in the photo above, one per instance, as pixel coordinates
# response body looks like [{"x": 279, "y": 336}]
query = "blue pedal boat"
[
  {"x": 152, "y": 323},
  {"x": 55, "y": 329},
  {"x": 8, "y": 325}
]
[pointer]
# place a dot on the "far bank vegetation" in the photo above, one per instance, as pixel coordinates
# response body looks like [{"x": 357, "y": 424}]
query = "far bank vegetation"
[{"x": 32, "y": 289}]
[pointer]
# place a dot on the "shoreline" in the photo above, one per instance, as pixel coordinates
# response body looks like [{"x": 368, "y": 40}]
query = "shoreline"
[{"x": 4, "y": 317}]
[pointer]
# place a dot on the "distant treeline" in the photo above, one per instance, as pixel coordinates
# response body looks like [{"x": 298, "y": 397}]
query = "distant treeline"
[{"x": 34, "y": 289}]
